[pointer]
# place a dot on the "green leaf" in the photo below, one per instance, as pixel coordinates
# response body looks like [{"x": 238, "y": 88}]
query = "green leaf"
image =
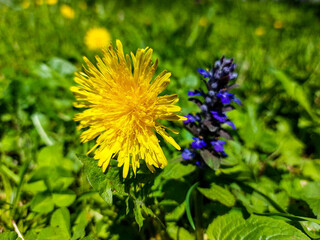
[
  {"x": 61, "y": 66},
  {"x": 176, "y": 170},
  {"x": 53, "y": 156},
  {"x": 212, "y": 161},
  {"x": 188, "y": 205},
  {"x": 80, "y": 225},
  {"x": 215, "y": 192},
  {"x": 107, "y": 184},
  {"x": 64, "y": 199},
  {"x": 225, "y": 227},
  {"x": 88, "y": 238},
  {"x": 314, "y": 204},
  {"x": 294, "y": 90},
  {"x": 42, "y": 203},
  {"x": 52, "y": 233},
  {"x": 35, "y": 187},
  {"x": 61, "y": 219},
  {"x": 179, "y": 233},
  {"x": 232, "y": 226},
  {"x": 177, "y": 213},
  {"x": 311, "y": 228},
  {"x": 8, "y": 236},
  {"x": 137, "y": 213}
]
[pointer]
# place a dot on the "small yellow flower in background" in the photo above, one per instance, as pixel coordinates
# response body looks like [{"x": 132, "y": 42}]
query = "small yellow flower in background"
[
  {"x": 278, "y": 24},
  {"x": 39, "y": 2},
  {"x": 123, "y": 108},
  {"x": 260, "y": 31},
  {"x": 203, "y": 22},
  {"x": 97, "y": 38},
  {"x": 25, "y": 4},
  {"x": 52, "y": 2},
  {"x": 67, "y": 11}
]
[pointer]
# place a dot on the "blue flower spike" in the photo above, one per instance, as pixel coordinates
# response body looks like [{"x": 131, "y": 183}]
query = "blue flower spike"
[{"x": 207, "y": 126}]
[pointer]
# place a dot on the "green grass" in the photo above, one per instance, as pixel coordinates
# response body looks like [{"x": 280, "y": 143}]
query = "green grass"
[{"x": 276, "y": 150}]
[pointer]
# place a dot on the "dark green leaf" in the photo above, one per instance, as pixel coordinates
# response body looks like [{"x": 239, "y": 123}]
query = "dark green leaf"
[
  {"x": 137, "y": 213},
  {"x": 105, "y": 183},
  {"x": 212, "y": 161}
]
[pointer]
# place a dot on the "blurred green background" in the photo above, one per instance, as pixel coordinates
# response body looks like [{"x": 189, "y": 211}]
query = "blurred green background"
[{"x": 274, "y": 43}]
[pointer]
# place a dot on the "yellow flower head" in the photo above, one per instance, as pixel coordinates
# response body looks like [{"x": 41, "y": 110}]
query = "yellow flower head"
[
  {"x": 25, "y": 4},
  {"x": 260, "y": 31},
  {"x": 52, "y": 2},
  {"x": 67, "y": 11},
  {"x": 123, "y": 108},
  {"x": 97, "y": 38},
  {"x": 203, "y": 21},
  {"x": 278, "y": 24}
]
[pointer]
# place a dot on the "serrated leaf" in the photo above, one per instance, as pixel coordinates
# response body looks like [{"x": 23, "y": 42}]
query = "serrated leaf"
[
  {"x": 232, "y": 226},
  {"x": 107, "y": 184},
  {"x": 61, "y": 219},
  {"x": 176, "y": 170},
  {"x": 137, "y": 213},
  {"x": 215, "y": 192}
]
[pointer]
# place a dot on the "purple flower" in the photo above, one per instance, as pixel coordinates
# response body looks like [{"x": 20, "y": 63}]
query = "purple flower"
[
  {"x": 194, "y": 93},
  {"x": 191, "y": 118},
  {"x": 226, "y": 98},
  {"x": 198, "y": 143},
  {"x": 231, "y": 124},
  {"x": 221, "y": 117},
  {"x": 218, "y": 145},
  {"x": 204, "y": 73},
  {"x": 187, "y": 154}
]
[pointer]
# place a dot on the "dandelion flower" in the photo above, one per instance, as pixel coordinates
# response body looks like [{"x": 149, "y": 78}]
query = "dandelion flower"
[
  {"x": 260, "y": 31},
  {"x": 25, "y": 4},
  {"x": 123, "y": 108},
  {"x": 278, "y": 24},
  {"x": 67, "y": 11},
  {"x": 52, "y": 2},
  {"x": 97, "y": 38},
  {"x": 203, "y": 21}
]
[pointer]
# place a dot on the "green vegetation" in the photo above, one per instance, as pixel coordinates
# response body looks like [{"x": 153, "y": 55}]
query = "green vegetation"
[{"x": 268, "y": 186}]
